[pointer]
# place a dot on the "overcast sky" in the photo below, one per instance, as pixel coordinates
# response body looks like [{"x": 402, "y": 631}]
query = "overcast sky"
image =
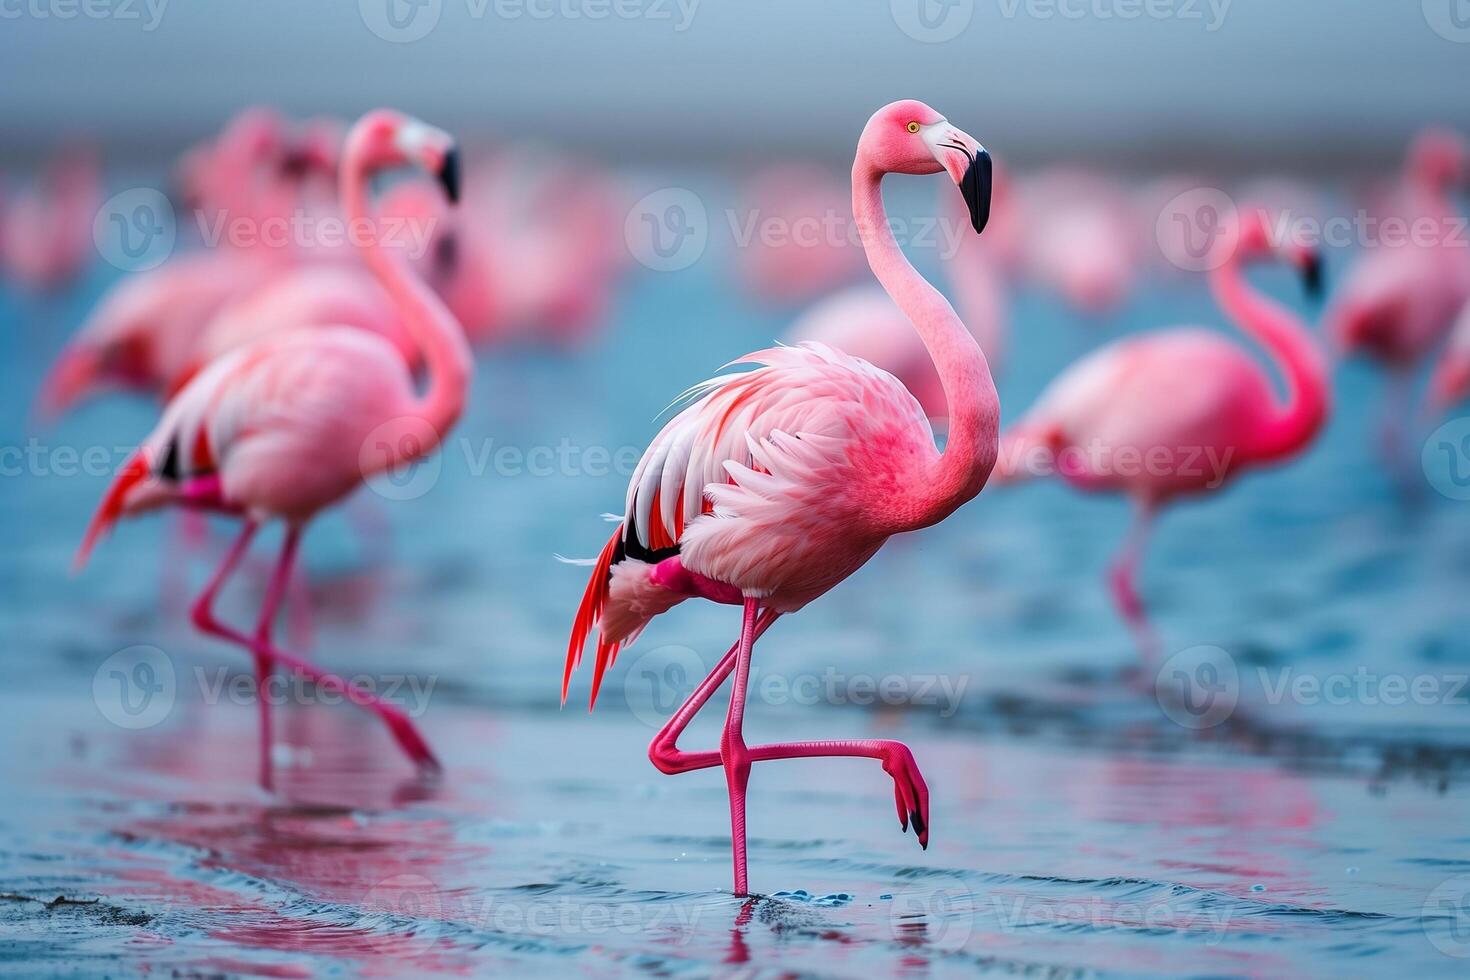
[{"x": 1327, "y": 82}]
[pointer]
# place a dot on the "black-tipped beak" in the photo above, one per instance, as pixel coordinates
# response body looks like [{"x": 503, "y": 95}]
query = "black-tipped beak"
[
  {"x": 976, "y": 187},
  {"x": 449, "y": 174},
  {"x": 1312, "y": 280}
]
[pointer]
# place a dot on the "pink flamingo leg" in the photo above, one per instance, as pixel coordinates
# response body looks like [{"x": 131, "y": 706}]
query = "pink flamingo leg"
[
  {"x": 1122, "y": 577},
  {"x": 403, "y": 730},
  {"x": 281, "y": 580},
  {"x": 911, "y": 794}
]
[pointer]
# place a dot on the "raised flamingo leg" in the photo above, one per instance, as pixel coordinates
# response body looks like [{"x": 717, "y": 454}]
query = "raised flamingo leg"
[
  {"x": 1121, "y": 579},
  {"x": 398, "y": 723},
  {"x": 911, "y": 795}
]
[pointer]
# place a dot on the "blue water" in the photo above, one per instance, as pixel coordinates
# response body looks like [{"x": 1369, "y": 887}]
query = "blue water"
[{"x": 1077, "y": 829}]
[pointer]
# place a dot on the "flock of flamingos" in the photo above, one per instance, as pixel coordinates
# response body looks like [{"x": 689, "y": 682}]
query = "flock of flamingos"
[{"x": 775, "y": 480}]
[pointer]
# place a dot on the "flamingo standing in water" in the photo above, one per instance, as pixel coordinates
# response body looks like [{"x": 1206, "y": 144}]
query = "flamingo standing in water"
[
  {"x": 292, "y": 423},
  {"x": 1081, "y": 240},
  {"x": 777, "y": 483},
  {"x": 1196, "y": 405},
  {"x": 46, "y": 235},
  {"x": 1400, "y": 301}
]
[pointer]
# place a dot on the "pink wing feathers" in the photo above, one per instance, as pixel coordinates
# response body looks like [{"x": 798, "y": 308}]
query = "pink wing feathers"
[{"x": 745, "y": 482}]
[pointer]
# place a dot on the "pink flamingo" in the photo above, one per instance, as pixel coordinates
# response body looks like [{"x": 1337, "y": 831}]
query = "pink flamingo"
[
  {"x": 777, "y": 483},
  {"x": 798, "y": 250},
  {"x": 1178, "y": 412},
  {"x": 1082, "y": 239},
  {"x": 46, "y": 237},
  {"x": 288, "y": 425},
  {"x": 1399, "y": 302},
  {"x": 142, "y": 334}
]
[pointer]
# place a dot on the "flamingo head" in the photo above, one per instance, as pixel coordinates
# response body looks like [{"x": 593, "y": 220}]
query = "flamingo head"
[
  {"x": 1258, "y": 240},
  {"x": 1440, "y": 158},
  {"x": 384, "y": 138},
  {"x": 313, "y": 151},
  {"x": 908, "y": 137}
]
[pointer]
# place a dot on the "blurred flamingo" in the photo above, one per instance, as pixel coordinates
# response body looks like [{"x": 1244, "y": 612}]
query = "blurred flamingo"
[
  {"x": 292, "y": 423},
  {"x": 1082, "y": 239},
  {"x": 777, "y": 483},
  {"x": 46, "y": 234},
  {"x": 1400, "y": 300},
  {"x": 530, "y": 256},
  {"x": 799, "y": 246},
  {"x": 1195, "y": 404},
  {"x": 142, "y": 334}
]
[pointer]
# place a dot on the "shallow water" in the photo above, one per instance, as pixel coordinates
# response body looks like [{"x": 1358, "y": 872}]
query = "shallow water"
[{"x": 1080, "y": 825}]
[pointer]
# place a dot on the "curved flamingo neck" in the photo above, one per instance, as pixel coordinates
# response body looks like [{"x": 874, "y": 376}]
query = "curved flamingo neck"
[
  {"x": 939, "y": 487},
  {"x": 1291, "y": 423},
  {"x": 433, "y": 328}
]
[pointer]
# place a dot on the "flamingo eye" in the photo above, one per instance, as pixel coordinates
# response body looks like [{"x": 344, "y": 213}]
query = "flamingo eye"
[{"x": 913, "y": 127}]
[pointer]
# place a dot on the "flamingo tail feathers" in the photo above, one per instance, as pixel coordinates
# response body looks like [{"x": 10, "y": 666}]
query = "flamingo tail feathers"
[
  {"x": 134, "y": 471},
  {"x": 594, "y": 601}
]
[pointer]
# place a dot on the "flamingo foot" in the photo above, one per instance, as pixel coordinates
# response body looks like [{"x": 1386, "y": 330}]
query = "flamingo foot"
[{"x": 910, "y": 793}]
